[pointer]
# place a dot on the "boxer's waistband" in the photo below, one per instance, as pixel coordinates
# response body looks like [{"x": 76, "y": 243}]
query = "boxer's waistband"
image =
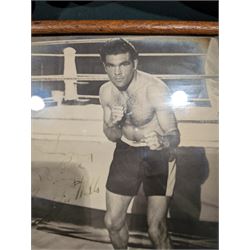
[{"x": 133, "y": 143}]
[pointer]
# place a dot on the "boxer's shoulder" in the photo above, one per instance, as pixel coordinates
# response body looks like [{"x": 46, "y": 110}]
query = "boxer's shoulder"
[{"x": 105, "y": 92}]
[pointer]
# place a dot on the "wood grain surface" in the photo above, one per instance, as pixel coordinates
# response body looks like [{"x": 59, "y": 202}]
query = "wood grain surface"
[{"x": 143, "y": 27}]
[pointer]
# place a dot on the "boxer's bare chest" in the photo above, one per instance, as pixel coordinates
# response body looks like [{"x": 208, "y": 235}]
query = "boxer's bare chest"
[{"x": 138, "y": 109}]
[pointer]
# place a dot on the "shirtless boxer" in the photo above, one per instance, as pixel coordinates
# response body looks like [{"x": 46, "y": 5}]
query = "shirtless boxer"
[{"x": 137, "y": 116}]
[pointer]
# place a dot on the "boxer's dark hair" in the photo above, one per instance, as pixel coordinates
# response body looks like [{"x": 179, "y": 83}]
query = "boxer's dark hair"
[{"x": 118, "y": 46}]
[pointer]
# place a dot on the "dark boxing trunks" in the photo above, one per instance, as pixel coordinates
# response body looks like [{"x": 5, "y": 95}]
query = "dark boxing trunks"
[{"x": 132, "y": 166}]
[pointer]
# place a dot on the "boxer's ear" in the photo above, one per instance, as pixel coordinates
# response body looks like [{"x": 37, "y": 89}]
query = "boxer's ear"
[
  {"x": 105, "y": 66},
  {"x": 135, "y": 63}
]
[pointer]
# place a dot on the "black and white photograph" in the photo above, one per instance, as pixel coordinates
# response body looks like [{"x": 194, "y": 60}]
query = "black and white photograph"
[{"x": 125, "y": 145}]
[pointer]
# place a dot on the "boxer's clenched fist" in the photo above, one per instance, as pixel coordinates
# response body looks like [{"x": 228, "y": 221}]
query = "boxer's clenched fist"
[
  {"x": 153, "y": 140},
  {"x": 117, "y": 113}
]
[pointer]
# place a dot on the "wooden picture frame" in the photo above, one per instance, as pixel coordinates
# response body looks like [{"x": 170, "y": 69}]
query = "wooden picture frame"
[{"x": 132, "y": 27}]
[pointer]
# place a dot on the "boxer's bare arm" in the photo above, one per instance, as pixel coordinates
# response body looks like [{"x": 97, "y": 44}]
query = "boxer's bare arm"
[
  {"x": 158, "y": 96},
  {"x": 112, "y": 116}
]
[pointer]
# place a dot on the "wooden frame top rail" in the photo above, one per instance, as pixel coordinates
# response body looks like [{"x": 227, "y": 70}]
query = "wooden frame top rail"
[{"x": 129, "y": 27}]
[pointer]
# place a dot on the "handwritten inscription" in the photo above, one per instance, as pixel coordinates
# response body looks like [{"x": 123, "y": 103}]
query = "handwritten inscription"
[{"x": 86, "y": 188}]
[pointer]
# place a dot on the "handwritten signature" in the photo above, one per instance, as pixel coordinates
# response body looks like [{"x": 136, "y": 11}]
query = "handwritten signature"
[{"x": 85, "y": 188}]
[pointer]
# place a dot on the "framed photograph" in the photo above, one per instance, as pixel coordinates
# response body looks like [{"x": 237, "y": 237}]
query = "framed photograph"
[{"x": 76, "y": 86}]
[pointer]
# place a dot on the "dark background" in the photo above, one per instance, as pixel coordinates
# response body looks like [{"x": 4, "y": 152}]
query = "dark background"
[{"x": 150, "y": 10}]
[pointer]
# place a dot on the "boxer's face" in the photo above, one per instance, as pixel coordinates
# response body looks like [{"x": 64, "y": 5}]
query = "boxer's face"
[{"x": 120, "y": 69}]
